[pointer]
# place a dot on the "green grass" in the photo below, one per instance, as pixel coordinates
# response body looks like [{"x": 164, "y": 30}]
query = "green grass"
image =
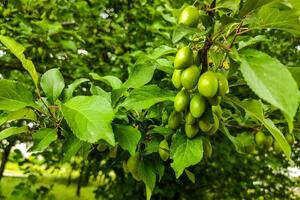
[{"x": 60, "y": 189}]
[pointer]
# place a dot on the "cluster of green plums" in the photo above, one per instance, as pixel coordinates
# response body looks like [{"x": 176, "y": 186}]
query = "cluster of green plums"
[
  {"x": 199, "y": 96},
  {"x": 265, "y": 142}
]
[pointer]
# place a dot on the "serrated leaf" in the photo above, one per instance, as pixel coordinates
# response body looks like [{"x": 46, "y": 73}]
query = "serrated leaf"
[
  {"x": 14, "y": 96},
  {"x": 252, "y": 41},
  {"x": 228, "y": 4},
  {"x": 185, "y": 152},
  {"x": 127, "y": 137},
  {"x": 147, "y": 174},
  {"x": 12, "y": 131},
  {"x": 112, "y": 81},
  {"x": 190, "y": 175},
  {"x": 90, "y": 118},
  {"x": 152, "y": 146},
  {"x": 147, "y": 96},
  {"x": 241, "y": 142},
  {"x": 71, "y": 147},
  {"x": 254, "y": 108},
  {"x": 274, "y": 18},
  {"x": 182, "y": 30},
  {"x": 251, "y": 5},
  {"x": 161, "y": 51},
  {"x": 140, "y": 75},
  {"x": 271, "y": 81},
  {"x": 52, "y": 83},
  {"x": 71, "y": 88},
  {"x": 43, "y": 138},
  {"x": 17, "y": 49}
]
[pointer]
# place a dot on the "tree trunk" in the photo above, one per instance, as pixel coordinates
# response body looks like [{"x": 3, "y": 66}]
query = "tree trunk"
[
  {"x": 80, "y": 178},
  {"x": 4, "y": 159}
]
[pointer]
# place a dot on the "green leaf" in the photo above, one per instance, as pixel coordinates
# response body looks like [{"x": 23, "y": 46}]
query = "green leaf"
[
  {"x": 72, "y": 146},
  {"x": 71, "y": 88},
  {"x": 69, "y": 44},
  {"x": 12, "y": 131},
  {"x": 295, "y": 71},
  {"x": 43, "y": 138},
  {"x": 24, "y": 113},
  {"x": 112, "y": 81},
  {"x": 164, "y": 65},
  {"x": 3, "y": 118},
  {"x": 228, "y": 4},
  {"x": 147, "y": 174},
  {"x": 162, "y": 131},
  {"x": 181, "y": 31},
  {"x": 161, "y": 51},
  {"x": 18, "y": 50},
  {"x": 152, "y": 146},
  {"x": 140, "y": 75},
  {"x": 185, "y": 152},
  {"x": 147, "y": 96},
  {"x": 52, "y": 83},
  {"x": 252, "y": 41},
  {"x": 14, "y": 96},
  {"x": 271, "y": 81},
  {"x": 190, "y": 175},
  {"x": 254, "y": 108},
  {"x": 274, "y": 18},
  {"x": 127, "y": 137},
  {"x": 90, "y": 117},
  {"x": 96, "y": 90},
  {"x": 241, "y": 142},
  {"x": 251, "y": 5}
]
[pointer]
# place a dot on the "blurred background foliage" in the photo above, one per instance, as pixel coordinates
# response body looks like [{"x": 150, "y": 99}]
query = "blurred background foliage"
[{"x": 107, "y": 37}]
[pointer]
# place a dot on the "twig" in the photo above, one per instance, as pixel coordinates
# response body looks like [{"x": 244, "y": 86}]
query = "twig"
[
  {"x": 232, "y": 43},
  {"x": 208, "y": 42}
]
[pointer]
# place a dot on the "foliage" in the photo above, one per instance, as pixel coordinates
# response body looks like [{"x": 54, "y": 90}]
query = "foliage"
[{"x": 103, "y": 91}]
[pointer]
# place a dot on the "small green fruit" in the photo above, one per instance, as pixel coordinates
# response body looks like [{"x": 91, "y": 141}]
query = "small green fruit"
[
  {"x": 175, "y": 120},
  {"x": 208, "y": 84},
  {"x": 197, "y": 106},
  {"x": 269, "y": 141},
  {"x": 164, "y": 150},
  {"x": 176, "y": 78},
  {"x": 181, "y": 101},
  {"x": 101, "y": 147},
  {"x": 113, "y": 152},
  {"x": 223, "y": 87},
  {"x": 189, "y": 119},
  {"x": 189, "y": 77},
  {"x": 276, "y": 147},
  {"x": 183, "y": 58},
  {"x": 197, "y": 58},
  {"x": 191, "y": 130},
  {"x": 216, "y": 125},
  {"x": 207, "y": 149},
  {"x": 204, "y": 124},
  {"x": 290, "y": 138},
  {"x": 189, "y": 16},
  {"x": 260, "y": 138},
  {"x": 133, "y": 163},
  {"x": 125, "y": 168}
]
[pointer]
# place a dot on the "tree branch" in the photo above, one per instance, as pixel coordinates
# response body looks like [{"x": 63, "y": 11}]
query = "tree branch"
[{"x": 208, "y": 42}]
